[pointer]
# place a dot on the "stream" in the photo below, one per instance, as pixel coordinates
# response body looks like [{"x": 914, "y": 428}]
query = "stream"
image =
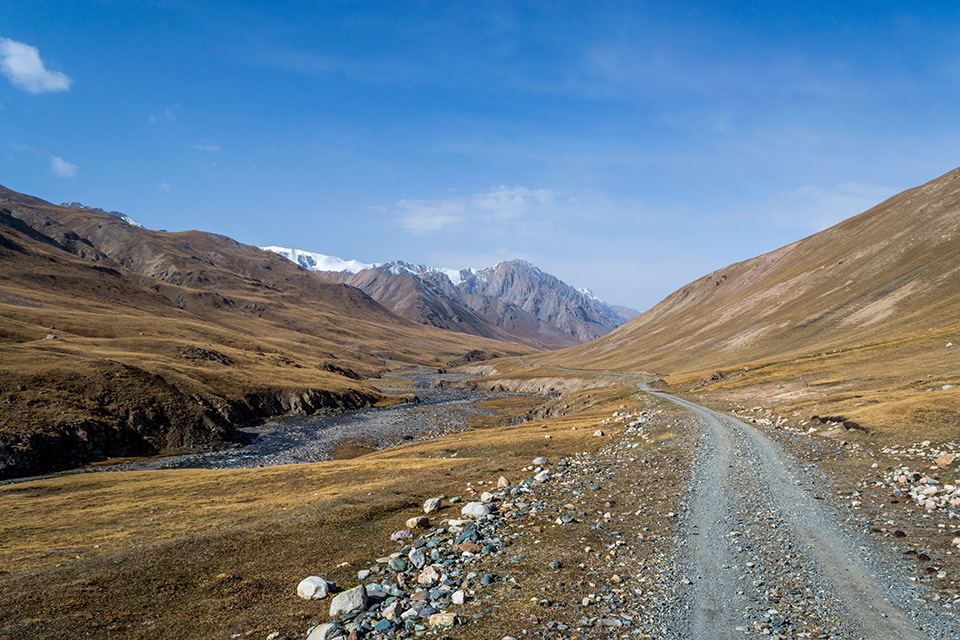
[{"x": 299, "y": 439}]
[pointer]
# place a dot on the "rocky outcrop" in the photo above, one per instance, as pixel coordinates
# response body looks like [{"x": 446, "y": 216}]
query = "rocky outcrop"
[{"x": 119, "y": 411}]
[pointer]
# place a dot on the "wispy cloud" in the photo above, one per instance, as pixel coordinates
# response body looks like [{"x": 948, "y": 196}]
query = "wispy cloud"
[
  {"x": 169, "y": 114},
  {"x": 499, "y": 204},
  {"x": 163, "y": 186},
  {"x": 425, "y": 216},
  {"x": 62, "y": 168},
  {"x": 209, "y": 148},
  {"x": 23, "y": 66}
]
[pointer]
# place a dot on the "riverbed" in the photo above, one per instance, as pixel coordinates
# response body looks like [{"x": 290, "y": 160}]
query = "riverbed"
[{"x": 439, "y": 411}]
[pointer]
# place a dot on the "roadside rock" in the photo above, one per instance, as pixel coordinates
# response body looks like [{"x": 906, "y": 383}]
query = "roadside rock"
[
  {"x": 475, "y": 510},
  {"x": 313, "y": 588},
  {"x": 350, "y": 600},
  {"x": 328, "y": 631}
]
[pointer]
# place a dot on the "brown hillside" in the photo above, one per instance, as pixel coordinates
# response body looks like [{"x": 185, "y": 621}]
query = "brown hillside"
[
  {"x": 870, "y": 304},
  {"x": 170, "y": 340}
]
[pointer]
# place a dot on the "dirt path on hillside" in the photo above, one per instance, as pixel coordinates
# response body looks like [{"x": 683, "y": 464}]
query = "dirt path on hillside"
[{"x": 729, "y": 547}]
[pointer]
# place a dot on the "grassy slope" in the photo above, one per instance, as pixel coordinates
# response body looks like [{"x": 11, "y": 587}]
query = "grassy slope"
[
  {"x": 865, "y": 308},
  {"x": 203, "y": 554},
  {"x": 170, "y": 339}
]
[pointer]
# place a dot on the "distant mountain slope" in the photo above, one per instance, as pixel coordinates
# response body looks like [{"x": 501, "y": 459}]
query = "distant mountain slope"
[
  {"x": 513, "y": 300},
  {"x": 580, "y": 315},
  {"x": 119, "y": 340},
  {"x": 876, "y": 296}
]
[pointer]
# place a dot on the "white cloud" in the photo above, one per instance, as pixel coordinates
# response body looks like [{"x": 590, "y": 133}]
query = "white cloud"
[
  {"x": 22, "y": 65},
  {"x": 210, "y": 148},
  {"x": 511, "y": 202},
  {"x": 163, "y": 186},
  {"x": 423, "y": 216},
  {"x": 62, "y": 168},
  {"x": 500, "y": 204}
]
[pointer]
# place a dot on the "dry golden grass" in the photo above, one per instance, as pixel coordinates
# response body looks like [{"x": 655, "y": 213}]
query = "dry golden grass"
[
  {"x": 169, "y": 339},
  {"x": 208, "y": 553}
]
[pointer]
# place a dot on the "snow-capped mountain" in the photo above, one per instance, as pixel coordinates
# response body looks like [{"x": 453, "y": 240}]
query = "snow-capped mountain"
[
  {"x": 513, "y": 300},
  {"x": 320, "y": 262}
]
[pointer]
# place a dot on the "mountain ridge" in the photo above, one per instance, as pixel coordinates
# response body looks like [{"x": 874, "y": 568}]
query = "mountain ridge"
[
  {"x": 119, "y": 340},
  {"x": 512, "y": 300}
]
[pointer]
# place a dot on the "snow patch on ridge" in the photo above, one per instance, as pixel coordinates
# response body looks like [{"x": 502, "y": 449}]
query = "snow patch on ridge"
[{"x": 321, "y": 262}]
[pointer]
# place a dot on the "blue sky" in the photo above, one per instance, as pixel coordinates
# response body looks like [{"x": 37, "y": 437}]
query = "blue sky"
[{"x": 625, "y": 147}]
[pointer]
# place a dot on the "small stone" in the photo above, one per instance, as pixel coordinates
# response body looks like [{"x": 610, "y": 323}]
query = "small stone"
[
  {"x": 543, "y": 476},
  {"x": 363, "y": 574},
  {"x": 328, "y": 631},
  {"x": 503, "y": 483},
  {"x": 443, "y": 620},
  {"x": 402, "y": 534},
  {"x": 598, "y": 432},
  {"x": 486, "y": 497},
  {"x": 475, "y": 510},
  {"x": 398, "y": 564},
  {"x": 350, "y": 600},
  {"x": 945, "y": 460},
  {"x": 540, "y": 462},
  {"x": 418, "y": 522},
  {"x": 393, "y": 611},
  {"x": 313, "y": 588},
  {"x": 431, "y": 505},
  {"x": 417, "y": 558},
  {"x": 383, "y": 626},
  {"x": 429, "y": 575},
  {"x": 469, "y": 547},
  {"x": 458, "y": 597}
]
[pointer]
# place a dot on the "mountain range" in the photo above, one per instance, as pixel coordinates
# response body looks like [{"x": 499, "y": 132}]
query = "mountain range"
[
  {"x": 514, "y": 300},
  {"x": 117, "y": 340}
]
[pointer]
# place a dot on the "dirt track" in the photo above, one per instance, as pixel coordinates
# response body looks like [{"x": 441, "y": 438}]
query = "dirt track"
[
  {"x": 740, "y": 466},
  {"x": 756, "y": 534}
]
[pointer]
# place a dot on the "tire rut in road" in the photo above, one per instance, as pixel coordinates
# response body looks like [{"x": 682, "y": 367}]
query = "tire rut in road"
[{"x": 741, "y": 476}]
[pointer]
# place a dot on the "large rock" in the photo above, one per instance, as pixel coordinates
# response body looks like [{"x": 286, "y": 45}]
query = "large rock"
[
  {"x": 328, "y": 631},
  {"x": 475, "y": 510},
  {"x": 431, "y": 505},
  {"x": 350, "y": 600},
  {"x": 313, "y": 588}
]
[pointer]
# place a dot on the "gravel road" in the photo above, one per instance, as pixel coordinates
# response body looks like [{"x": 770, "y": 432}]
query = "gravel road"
[
  {"x": 755, "y": 534},
  {"x": 759, "y": 550}
]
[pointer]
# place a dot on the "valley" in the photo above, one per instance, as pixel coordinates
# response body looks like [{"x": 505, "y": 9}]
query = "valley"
[{"x": 771, "y": 450}]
